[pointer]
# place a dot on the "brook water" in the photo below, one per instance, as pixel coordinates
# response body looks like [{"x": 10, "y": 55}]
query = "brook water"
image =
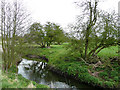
[{"x": 38, "y": 72}]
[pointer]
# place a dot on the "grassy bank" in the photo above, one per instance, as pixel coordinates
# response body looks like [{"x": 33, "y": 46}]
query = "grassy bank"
[
  {"x": 13, "y": 80},
  {"x": 105, "y": 75}
]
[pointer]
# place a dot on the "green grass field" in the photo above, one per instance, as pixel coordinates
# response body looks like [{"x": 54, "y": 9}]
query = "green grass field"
[{"x": 109, "y": 52}]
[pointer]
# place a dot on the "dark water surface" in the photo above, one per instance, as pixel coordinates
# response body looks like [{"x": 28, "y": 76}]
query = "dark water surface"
[{"x": 38, "y": 72}]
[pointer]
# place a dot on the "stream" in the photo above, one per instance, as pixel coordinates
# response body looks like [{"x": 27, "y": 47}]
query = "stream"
[{"x": 38, "y": 72}]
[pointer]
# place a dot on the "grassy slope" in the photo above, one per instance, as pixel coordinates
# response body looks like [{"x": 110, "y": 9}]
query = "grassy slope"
[
  {"x": 59, "y": 58},
  {"x": 12, "y": 80}
]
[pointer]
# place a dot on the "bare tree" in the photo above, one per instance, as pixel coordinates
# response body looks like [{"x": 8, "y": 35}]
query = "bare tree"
[
  {"x": 90, "y": 13},
  {"x": 14, "y": 23},
  {"x": 95, "y": 30}
]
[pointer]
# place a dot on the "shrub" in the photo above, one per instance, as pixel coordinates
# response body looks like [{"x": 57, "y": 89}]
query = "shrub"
[
  {"x": 12, "y": 76},
  {"x": 116, "y": 78},
  {"x": 95, "y": 80},
  {"x": 103, "y": 74},
  {"x": 114, "y": 73},
  {"x": 12, "y": 69},
  {"x": 111, "y": 80},
  {"x": 106, "y": 78},
  {"x": 83, "y": 70},
  {"x": 109, "y": 84},
  {"x": 100, "y": 83}
]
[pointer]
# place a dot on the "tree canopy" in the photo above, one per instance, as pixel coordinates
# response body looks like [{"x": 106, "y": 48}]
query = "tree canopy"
[{"x": 45, "y": 34}]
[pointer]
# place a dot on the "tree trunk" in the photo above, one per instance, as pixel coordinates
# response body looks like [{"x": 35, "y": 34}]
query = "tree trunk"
[
  {"x": 92, "y": 22},
  {"x": 94, "y": 50},
  {"x": 48, "y": 44},
  {"x": 100, "y": 50}
]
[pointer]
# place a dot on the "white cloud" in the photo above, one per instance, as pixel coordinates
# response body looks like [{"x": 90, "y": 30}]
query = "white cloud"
[{"x": 60, "y": 11}]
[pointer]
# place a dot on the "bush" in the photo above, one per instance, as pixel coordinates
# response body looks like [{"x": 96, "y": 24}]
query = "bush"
[
  {"x": 12, "y": 76},
  {"x": 93, "y": 80},
  {"x": 114, "y": 73},
  {"x": 100, "y": 83},
  {"x": 103, "y": 74},
  {"x": 116, "y": 78},
  {"x": 12, "y": 69},
  {"x": 109, "y": 84},
  {"x": 106, "y": 78},
  {"x": 83, "y": 70}
]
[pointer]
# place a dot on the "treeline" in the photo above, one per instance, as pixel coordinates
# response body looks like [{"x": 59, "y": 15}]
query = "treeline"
[{"x": 45, "y": 35}]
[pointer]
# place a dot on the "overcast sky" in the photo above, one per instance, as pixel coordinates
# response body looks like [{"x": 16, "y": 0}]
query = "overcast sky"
[{"x": 62, "y": 12}]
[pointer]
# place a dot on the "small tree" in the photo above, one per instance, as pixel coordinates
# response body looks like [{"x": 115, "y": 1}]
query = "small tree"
[
  {"x": 37, "y": 34},
  {"x": 54, "y": 33},
  {"x": 84, "y": 28},
  {"x": 49, "y": 32},
  {"x": 59, "y": 34},
  {"x": 45, "y": 34}
]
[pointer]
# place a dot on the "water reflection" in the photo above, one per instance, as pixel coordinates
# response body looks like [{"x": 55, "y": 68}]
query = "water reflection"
[{"x": 38, "y": 72}]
